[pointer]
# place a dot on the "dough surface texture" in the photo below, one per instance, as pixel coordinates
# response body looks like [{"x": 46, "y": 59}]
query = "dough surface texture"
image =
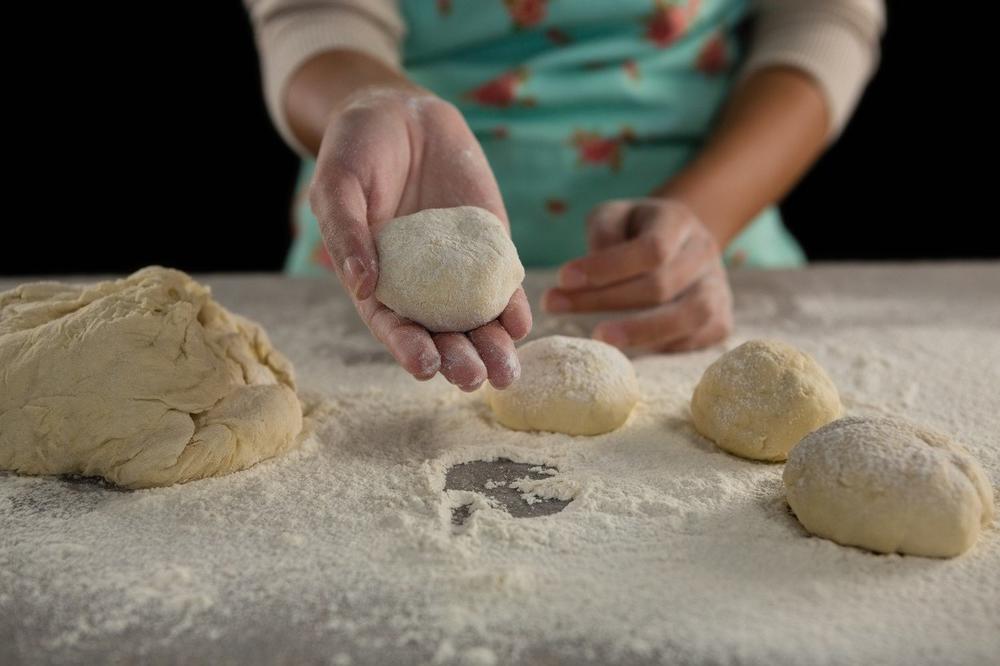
[
  {"x": 570, "y": 385},
  {"x": 759, "y": 399},
  {"x": 448, "y": 269},
  {"x": 144, "y": 381},
  {"x": 888, "y": 486}
]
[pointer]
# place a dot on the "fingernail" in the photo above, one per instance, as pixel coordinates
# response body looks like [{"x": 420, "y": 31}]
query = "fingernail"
[
  {"x": 611, "y": 335},
  {"x": 514, "y": 364},
  {"x": 354, "y": 271},
  {"x": 572, "y": 278},
  {"x": 556, "y": 302}
]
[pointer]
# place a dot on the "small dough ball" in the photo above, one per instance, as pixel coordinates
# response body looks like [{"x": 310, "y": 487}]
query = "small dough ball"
[
  {"x": 448, "y": 269},
  {"x": 758, "y": 400},
  {"x": 144, "y": 381},
  {"x": 570, "y": 385},
  {"x": 888, "y": 486}
]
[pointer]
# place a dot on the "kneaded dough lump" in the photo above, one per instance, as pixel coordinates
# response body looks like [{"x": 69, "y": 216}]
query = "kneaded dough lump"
[
  {"x": 144, "y": 381},
  {"x": 888, "y": 486},
  {"x": 758, "y": 400},
  {"x": 448, "y": 269},
  {"x": 570, "y": 385}
]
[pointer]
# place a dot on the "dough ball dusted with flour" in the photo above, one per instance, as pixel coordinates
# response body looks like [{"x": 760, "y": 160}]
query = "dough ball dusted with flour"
[
  {"x": 888, "y": 486},
  {"x": 144, "y": 381},
  {"x": 570, "y": 385},
  {"x": 448, "y": 269},
  {"x": 758, "y": 400}
]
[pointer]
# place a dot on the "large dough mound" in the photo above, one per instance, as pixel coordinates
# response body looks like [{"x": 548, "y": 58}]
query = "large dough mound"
[
  {"x": 888, "y": 486},
  {"x": 758, "y": 400},
  {"x": 144, "y": 381},
  {"x": 570, "y": 385},
  {"x": 448, "y": 269}
]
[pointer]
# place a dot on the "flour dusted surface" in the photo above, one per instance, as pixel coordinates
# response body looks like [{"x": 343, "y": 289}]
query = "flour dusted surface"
[{"x": 671, "y": 551}]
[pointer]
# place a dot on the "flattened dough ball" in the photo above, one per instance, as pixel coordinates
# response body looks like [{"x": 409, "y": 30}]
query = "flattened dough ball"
[
  {"x": 448, "y": 269},
  {"x": 569, "y": 385},
  {"x": 758, "y": 400},
  {"x": 144, "y": 381},
  {"x": 888, "y": 486}
]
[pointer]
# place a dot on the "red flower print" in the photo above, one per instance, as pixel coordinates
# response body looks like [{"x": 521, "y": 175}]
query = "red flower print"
[
  {"x": 444, "y": 7},
  {"x": 556, "y": 206},
  {"x": 592, "y": 148},
  {"x": 631, "y": 68},
  {"x": 526, "y": 13},
  {"x": 666, "y": 24},
  {"x": 501, "y": 91},
  {"x": 713, "y": 57},
  {"x": 558, "y": 37},
  {"x": 321, "y": 257}
]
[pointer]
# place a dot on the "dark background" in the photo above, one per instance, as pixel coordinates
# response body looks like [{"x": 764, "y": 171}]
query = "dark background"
[{"x": 140, "y": 136}]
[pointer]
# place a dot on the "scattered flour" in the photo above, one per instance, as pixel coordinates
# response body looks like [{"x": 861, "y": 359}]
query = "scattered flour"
[{"x": 671, "y": 551}]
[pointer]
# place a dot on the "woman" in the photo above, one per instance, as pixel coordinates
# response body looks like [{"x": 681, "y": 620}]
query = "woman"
[{"x": 639, "y": 144}]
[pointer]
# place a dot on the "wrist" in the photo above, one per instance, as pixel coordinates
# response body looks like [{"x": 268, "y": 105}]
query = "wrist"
[
  {"x": 691, "y": 190},
  {"x": 324, "y": 84},
  {"x": 377, "y": 93}
]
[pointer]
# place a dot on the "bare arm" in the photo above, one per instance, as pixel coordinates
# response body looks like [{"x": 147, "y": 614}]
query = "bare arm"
[{"x": 771, "y": 131}]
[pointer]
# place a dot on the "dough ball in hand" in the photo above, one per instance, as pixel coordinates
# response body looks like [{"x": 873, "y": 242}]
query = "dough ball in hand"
[
  {"x": 888, "y": 486},
  {"x": 758, "y": 400},
  {"x": 569, "y": 385},
  {"x": 448, "y": 269},
  {"x": 144, "y": 381}
]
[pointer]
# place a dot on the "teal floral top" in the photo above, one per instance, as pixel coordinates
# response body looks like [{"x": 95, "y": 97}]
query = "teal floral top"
[{"x": 576, "y": 103}]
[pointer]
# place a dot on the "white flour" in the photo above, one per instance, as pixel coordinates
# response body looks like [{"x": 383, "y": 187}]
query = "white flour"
[{"x": 344, "y": 552}]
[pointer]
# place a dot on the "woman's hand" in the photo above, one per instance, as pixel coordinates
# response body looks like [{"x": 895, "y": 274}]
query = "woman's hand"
[
  {"x": 656, "y": 256},
  {"x": 390, "y": 151}
]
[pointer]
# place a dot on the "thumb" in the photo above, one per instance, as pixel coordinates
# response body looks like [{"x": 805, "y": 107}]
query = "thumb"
[{"x": 338, "y": 201}]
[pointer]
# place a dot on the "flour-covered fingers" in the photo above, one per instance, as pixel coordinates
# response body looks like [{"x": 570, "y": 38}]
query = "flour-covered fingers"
[
  {"x": 713, "y": 331},
  {"x": 657, "y": 327},
  {"x": 460, "y": 362},
  {"x": 497, "y": 351},
  {"x": 655, "y": 235},
  {"x": 516, "y": 317},
  {"x": 700, "y": 316},
  {"x": 338, "y": 200},
  {"x": 658, "y": 286},
  {"x": 410, "y": 344}
]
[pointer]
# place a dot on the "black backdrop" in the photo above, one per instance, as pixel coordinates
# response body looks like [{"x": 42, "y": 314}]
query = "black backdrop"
[{"x": 141, "y": 137}]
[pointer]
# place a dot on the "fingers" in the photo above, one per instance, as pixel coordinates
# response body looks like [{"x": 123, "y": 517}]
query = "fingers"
[
  {"x": 516, "y": 317},
  {"x": 701, "y": 316},
  {"x": 649, "y": 236},
  {"x": 606, "y": 224},
  {"x": 411, "y": 345},
  {"x": 339, "y": 203},
  {"x": 460, "y": 362},
  {"x": 496, "y": 349},
  {"x": 704, "y": 337},
  {"x": 652, "y": 288}
]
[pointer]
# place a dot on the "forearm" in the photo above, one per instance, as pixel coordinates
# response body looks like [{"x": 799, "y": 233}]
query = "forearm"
[
  {"x": 771, "y": 131},
  {"x": 323, "y": 82}
]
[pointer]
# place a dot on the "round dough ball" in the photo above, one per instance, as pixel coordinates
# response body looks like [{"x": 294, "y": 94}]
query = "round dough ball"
[
  {"x": 758, "y": 400},
  {"x": 448, "y": 269},
  {"x": 888, "y": 486},
  {"x": 144, "y": 381},
  {"x": 570, "y": 385}
]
